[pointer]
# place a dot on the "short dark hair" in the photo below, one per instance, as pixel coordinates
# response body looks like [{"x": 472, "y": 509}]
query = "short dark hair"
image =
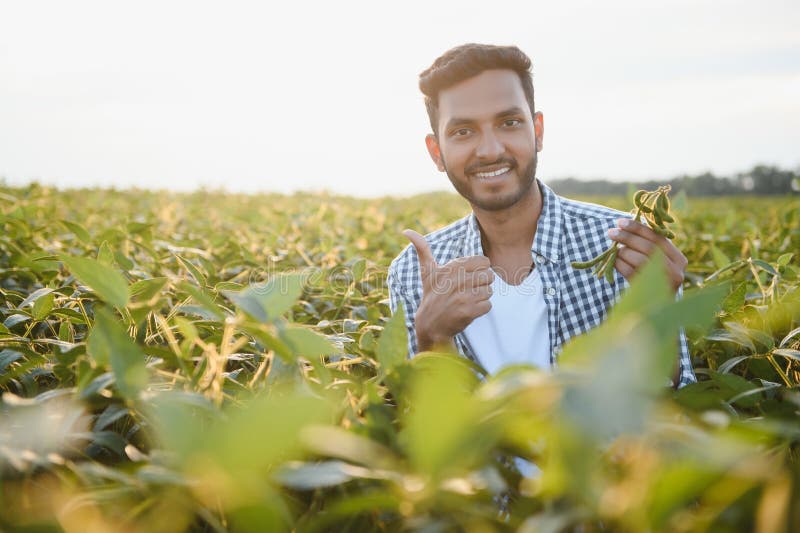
[{"x": 469, "y": 60}]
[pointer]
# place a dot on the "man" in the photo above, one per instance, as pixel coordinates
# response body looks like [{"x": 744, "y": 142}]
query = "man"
[{"x": 497, "y": 285}]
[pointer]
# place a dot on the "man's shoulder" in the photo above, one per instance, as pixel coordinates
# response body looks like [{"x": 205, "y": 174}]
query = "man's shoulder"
[
  {"x": 444, "y": 242},
  {"x": 583, "y": 212}
]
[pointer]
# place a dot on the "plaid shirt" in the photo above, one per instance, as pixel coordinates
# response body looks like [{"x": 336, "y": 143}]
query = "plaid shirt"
[{"x": 576, "y": 301}]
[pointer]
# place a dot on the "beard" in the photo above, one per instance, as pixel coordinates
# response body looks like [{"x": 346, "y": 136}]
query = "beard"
[{"x": 498, "y": 202}]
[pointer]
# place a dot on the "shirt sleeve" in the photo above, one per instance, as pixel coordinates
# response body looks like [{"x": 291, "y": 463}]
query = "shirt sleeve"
[
  {"x": 684, "y": 358},
  {"x": 398, "y": 296}
]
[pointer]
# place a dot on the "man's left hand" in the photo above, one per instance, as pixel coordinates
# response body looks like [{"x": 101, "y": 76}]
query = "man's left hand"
[{"x": 638, "y": 242}]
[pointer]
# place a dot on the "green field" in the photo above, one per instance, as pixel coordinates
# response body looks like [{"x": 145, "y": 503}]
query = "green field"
[{"x": 221, "y": 362}]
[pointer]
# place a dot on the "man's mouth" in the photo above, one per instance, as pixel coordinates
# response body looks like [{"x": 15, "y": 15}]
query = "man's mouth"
[{"x": 488, "y": 174}]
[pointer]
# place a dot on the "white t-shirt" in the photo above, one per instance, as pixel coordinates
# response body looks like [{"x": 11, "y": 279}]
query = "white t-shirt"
[{"x": 515, "y": 329}]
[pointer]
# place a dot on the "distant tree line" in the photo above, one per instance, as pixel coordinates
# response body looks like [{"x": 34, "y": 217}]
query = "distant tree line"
[{"x": 760, "y": 180}]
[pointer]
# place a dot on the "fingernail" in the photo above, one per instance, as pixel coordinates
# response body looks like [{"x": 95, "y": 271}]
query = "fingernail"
[
  {"x": 613, "y": 232},
  {"x": 623, "y": 222}
]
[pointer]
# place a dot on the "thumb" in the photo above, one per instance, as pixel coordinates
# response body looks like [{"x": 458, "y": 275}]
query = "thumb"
[{"x": 426, "y": 260}]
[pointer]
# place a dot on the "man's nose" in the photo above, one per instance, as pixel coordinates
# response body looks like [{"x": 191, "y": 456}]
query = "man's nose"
[{"x": 490, "y": 147}]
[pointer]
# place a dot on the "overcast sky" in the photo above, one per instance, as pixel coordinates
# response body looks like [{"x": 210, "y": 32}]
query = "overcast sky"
[{"x": 323, "y": 95}]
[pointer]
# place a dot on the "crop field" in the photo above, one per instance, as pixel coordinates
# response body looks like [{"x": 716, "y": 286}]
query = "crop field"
[{"x": 221, "y": 362}]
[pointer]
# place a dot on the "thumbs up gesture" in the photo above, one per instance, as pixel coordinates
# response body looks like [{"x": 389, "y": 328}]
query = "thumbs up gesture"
[{"x": 453, "y": 294}]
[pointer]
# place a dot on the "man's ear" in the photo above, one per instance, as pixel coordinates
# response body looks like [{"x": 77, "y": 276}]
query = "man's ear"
[
  {"x": 433, "y": 149},
  {"x": 538, "y": 129}
]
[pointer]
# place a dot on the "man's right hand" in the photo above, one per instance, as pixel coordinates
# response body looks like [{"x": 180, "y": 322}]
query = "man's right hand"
[{"x": 453, "y": 294}]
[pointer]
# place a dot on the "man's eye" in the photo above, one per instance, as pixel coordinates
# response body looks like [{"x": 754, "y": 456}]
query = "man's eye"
[
  {"x": 511, "y": 122},
  {"x": 461, "y": 132}
]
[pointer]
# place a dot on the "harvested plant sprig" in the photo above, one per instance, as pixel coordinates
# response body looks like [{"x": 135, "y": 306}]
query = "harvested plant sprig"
[{"x": 653, "y": 207}]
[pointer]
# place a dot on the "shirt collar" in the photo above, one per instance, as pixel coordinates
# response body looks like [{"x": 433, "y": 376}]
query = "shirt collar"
[{"x": 547, "y": 240}]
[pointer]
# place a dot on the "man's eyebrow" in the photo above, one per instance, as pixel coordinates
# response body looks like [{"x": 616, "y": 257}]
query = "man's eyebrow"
[
  {"x": 456, "y": 121},
  {"x": 516, "y": 110}
]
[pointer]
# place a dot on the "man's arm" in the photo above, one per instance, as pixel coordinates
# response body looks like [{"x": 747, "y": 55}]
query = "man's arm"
[
  {"x": 439, "y": 301},
  {"x": 453, "y": 295},
  {"x": 398, "y": 297}
]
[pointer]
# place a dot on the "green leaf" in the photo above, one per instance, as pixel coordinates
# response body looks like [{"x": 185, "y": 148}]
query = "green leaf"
[
  {"x": 15, "y": 319},
  {"x": 732, "y": 266},
  {"x": 105, "y": 254},
  {"x": 358, "y": 269},
  {"x": 108, "y": 439},
  {"x": 305, "y": 342},
  {"x": 78, "y": 230},
  {"x": 720, "y": 259},
  {"x": 34, "y": 296},
  {"x": 342, "y": 444},
  {"x": 193, "y": 270},
  {"x": 7, "y": 357},
  {"x": 74, "y": 316},
  {"x": 763, "y": 265},
  {"x": 445, "y": 431},
  {"x": 306, "y": 476},
  {"x": 392, "y": 347},
  {"x": 90, "y": 386},
  {"x": 203, "y": 298},
  {"x": 186, "y": 327},
  {"x": 788, "y": 353},
  {"x": 110, "y": 343},
  {"x": 145, "y": 289},
  {"x": 311, "y": 345},
  {"x": 789, "y": 336},
  {"x": 710, "y": 394},
  {"x": 728, "y": 365},
  {"x": 111, "y": 414},
  {"x": 735, "y": 300},
  {"x": 43, "y": 306},
  {"x": 727, "y": 336},
  {"x": 123, "y": 261},
  {"x": 784, "y": 259},
  {"x": 696, "y": 309},
  {"x": 109, "y": 285},
  {"x": 245, "y": 442},
  {"x": 268, "y": 301}
]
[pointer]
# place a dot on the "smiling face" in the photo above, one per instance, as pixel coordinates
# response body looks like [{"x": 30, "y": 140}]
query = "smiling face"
[{"x": 488, "y": 139}]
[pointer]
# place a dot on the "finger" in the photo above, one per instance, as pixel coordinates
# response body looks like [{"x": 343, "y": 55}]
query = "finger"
[
  {"x": 481, "y": 277},
  {"x": 632, "y": 257},
  {"x": 633, "y": 240},
  {"x": 643, "y": 231},
  {"x": 472, "y": 263},
  {"x": 629, "y": 262},
  {"x": 463, "y": 278},
  {"x": 426, "y": 261},
  {"x": 674, "y": 255},
  {"x": 482, "y": 307},
  {"x": 623, "y": 267},
  {"x": 480, "y": 292}
]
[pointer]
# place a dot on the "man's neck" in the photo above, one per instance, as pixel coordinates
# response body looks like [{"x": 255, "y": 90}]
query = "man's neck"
[{"x": 511, "y": 229}]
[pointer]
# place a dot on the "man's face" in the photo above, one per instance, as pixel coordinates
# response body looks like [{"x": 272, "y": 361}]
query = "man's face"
[{"x": 487, "y": 139}]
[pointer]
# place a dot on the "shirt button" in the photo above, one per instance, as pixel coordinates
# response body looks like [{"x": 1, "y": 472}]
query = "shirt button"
[
  {"x": 551, "y": 291},
  {"x": 539, "y": 259}
]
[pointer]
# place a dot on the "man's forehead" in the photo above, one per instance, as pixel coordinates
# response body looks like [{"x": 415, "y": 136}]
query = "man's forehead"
[{"x": 486, "y": 94}]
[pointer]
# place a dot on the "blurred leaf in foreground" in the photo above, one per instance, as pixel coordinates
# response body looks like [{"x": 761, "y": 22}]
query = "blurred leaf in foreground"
[
  {"x": 109, "y": 343},
  {"x": 228, "y": 457}
]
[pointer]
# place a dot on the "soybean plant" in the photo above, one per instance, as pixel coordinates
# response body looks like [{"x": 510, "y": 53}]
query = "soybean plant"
[{"x": 653, "y": 207}]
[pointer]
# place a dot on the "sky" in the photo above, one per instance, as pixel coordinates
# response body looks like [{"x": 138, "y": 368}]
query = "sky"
[{"x": 287, "y": 96}]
